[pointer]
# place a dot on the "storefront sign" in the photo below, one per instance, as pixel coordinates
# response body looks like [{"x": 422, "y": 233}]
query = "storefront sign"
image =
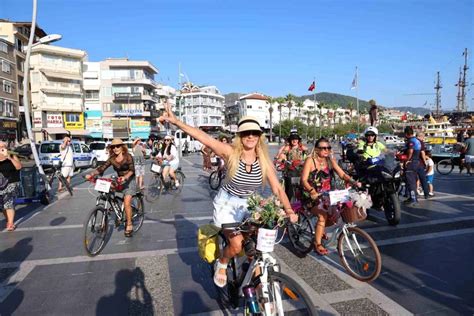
[
  {"x": 139, "y": 126},
  {"x": 38, "y": 119},
  {"x": 54, "y": 119},
  {"x": 8, "y": 124},
  {"x": 128, "y": 113},
  {"x": 107, "y": 129},
  {"x": 94, "y": 125},
  {"x": 77, "y": 124}
]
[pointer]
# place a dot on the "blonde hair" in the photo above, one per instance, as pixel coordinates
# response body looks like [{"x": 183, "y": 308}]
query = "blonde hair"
[
  {"x": 3, "y": 144},
  {"x": 262, "y": 155}
]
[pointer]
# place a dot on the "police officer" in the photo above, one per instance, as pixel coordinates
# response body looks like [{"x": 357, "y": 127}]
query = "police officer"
[{"x": 414, "y": 167}]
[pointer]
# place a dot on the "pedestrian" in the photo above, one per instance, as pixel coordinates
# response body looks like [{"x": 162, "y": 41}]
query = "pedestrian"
[
  {"x": 249, "y": 167},
  {"x": 139, "y": 161},
  {"x": 206, "y": 158},
  {"x": 413, "y": 167},
  {"x": 373, "y": 113},
  {"x": 429, "y": 172},
  {"x": 469, "y": 151},
  {"x": 67, "y": 162},
  {"x": 10, "y": 167}
]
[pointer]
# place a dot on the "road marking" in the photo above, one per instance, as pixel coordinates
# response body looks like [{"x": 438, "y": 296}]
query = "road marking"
[
  {"x": 454, "y": 195},
  {"x": 418, "y": 224},
  {"x": 401, "y": 240}
]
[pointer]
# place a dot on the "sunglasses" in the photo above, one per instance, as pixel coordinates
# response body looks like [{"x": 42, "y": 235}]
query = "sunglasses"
[
  {"x": 115, "y": 146},
  {"x": 167, "y": 140},
  {"x": 325, "y": 148},
  {"x": 367, "y": 135},
  {"x": 248, "y": 133}
]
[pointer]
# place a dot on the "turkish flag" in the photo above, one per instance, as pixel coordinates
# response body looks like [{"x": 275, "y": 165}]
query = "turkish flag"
[{"x": 312, "y": 86}]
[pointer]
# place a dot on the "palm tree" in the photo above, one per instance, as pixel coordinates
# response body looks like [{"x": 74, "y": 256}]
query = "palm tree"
[
  {"x": 280, "y": 102},
  {"x": 289, "y": 98},
  {"x": 299, "y": 105},
  {"x": 270, "y": 111}
]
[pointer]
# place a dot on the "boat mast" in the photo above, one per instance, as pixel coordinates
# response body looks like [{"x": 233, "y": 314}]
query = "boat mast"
[
  {"x": 438, "y": 95},
  {"x": 461, "y": 106}
]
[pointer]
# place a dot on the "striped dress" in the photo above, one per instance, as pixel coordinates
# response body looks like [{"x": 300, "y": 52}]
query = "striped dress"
[{"x": 244, "y": 183}]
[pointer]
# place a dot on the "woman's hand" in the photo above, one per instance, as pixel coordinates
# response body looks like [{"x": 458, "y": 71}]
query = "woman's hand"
[
  {"x": 314, "y": 195},
  {"x": 121, "y": 179},
  {"x": 89, "y": 177},
  {"x": 168, "y": 115},
  {"x": 293, "y": 218}
]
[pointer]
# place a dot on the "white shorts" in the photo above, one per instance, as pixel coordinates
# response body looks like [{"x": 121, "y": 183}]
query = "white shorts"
[
  {"x": 67, "y": 171},
  {"x": 469, "y": 159},
  {"x": 229, "y": 208},
  {"x": 174, "y": 164}
]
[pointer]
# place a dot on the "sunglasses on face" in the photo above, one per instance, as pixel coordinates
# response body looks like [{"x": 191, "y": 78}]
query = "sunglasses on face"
[
  {"x": 167, "y": 140},
  {"x": 248, "y": 133},
  {"x": 325, "y": 148},
  {"x": 115, "y": 146},
  {"x": 367, "y": 135}
]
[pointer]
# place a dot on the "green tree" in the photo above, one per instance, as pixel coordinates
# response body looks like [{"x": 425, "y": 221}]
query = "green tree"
[
  {"x": 270, "y": 111},
  {"x": 289, "y": 99}
]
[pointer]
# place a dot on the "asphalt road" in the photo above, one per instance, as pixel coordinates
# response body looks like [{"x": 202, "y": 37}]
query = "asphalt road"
[{"x": 427, "y": 259}]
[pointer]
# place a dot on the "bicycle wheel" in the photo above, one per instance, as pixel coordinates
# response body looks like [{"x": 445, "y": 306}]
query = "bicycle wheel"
[
  {"x": 359, "y": 254},
  {"x": 214, "y": 180},
  {"x": 180, "y": 179},
  {"x": 154, "y": 188},
  {"x": 138, "y": 212},
  {"x": 65, "y": 183},
  {"x": 285, "y": 296},
  {"x": 95, "y": 230},
  {"x": 445, "y": 166},
  {"x": 301, "y": 234}
]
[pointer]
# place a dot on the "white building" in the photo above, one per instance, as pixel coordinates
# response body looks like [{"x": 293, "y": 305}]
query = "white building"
[
  {"x": 203, "y": 107},
  {"x": 56, "y": 92},
  {"x": 256, "y": 105}
]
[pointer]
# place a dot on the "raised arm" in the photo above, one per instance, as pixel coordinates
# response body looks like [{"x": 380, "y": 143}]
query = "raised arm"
[{"x": 221, "y": 149}]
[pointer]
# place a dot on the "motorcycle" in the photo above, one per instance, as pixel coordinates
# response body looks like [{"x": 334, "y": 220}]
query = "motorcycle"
[{"x": 381, "y": 184}]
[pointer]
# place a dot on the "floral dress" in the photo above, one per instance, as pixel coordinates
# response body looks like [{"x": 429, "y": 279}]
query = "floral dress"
[{"x": 321, "y": 181}]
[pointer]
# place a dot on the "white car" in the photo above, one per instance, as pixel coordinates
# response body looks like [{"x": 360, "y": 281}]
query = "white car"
[
  {"x": 392, "y": 140},
  {"x": 83, "y": 156},
  {"x": 100, "y": 150}
]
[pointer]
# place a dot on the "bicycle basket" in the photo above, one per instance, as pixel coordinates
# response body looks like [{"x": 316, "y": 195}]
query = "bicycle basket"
[
  {"x": 353, "y": 214},
  {"x": 207, "y": 242}
]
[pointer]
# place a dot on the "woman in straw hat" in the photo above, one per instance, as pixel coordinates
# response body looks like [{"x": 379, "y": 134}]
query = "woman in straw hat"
[
  {"x": 123, "y": 164},
  {"x": 169, "y": 154},
  {"x": 249, "y": 167}
]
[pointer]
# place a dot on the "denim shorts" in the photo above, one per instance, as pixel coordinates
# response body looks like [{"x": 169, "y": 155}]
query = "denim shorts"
[
  {"x": 429, "y": 179},
  {"x": 229, "y": 208}
]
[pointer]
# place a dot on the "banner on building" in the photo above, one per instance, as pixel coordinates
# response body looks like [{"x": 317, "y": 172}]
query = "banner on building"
[
  {"x": 54, "y": 119},
  {"x": 107, "y": 129},
  {"x": 139, "y": 126},
  {"x": 94, "y": 125},
  {"x": 74, "y": 121}
]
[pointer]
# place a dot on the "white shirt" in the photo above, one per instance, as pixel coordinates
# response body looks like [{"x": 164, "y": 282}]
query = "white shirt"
[
  {"x": 173, "y": 152},
  {"x": 430, "y": 165},
  {"x": 67, "y": 156}
]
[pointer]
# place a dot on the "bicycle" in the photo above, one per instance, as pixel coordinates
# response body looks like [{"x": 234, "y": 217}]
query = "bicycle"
[
  {"x": 358, "y": 252},
  {"x": 446, "y": 166},
  {"x": 216, "y": 177},
  {"x": 56, "y": 174},
  {"x": 157, "y": 184},
  {"x": 109, "y": 204},
  {"x": 266, "y": 291}
]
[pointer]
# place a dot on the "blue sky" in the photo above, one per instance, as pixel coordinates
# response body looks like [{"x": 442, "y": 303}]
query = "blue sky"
[{"x": 276, "y": 47}]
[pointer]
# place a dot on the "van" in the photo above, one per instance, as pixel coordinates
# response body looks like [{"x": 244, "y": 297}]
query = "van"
[
  {"x": 82, "y": 154},
  {"x": 183, "y": 139}
]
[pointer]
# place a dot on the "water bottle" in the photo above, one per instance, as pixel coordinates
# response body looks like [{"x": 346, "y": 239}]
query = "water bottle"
[{"x": 251, "y": 299}]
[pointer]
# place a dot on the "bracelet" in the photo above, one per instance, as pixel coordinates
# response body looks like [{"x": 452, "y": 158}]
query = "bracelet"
[{"x": 312, "y": 189}]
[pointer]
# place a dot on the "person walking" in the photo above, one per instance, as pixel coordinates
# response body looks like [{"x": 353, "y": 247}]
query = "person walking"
[
  {"x": 139, "y": 161},
  {"x": 10, "y": 167},
  {"x": 429, "y": 172},
  {"x": 67, "y": 162},
  {"x": 249, "y": 167},
  {"x": 469, "y": 152},
  {"x": 373, "y": 113}
]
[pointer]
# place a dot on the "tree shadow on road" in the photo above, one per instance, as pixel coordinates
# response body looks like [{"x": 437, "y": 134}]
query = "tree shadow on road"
[
  {"x": 120, "y": 302},
  {"x": 12, "y": 297}
]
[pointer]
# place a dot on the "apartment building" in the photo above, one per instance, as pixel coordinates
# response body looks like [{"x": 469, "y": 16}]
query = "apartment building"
[
  {"x": 256, "y": 105},
  {"x": 127, "y": 97},
  {"x": 8, "y": 92},
  {"x": 17, "y": 33},
  {"x": 202, "y": 107},
  {"x": 57, "y": 101},
  {"x": 92, "y": 104}
]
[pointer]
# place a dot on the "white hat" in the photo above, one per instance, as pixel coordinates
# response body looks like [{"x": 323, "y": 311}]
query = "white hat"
[{"x": 248, "y": 123}]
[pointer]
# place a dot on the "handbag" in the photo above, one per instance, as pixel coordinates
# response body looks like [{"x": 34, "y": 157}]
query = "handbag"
[{"x": 3, "y": 182}]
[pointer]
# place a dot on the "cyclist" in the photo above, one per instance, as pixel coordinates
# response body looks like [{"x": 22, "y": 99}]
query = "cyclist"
[
  {"x": 293, "y": 155},
  {"x": 122, "y": 162},
  {"x": 169, "y": 159},
  {"x": 249, "y": 167},
  {"x": 318, "y": 177}
]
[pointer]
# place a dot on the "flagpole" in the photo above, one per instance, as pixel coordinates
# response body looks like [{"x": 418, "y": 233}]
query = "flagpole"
[
  {"x": 357, "y": 101},
  {"x": 315, "y": 107}
]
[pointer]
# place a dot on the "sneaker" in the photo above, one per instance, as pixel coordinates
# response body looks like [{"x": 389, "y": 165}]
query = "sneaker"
[
  {"x": 410, "y": 202},
  {"x": 431, "y": 194},
  {"x": 419, "y": 191},
  {"x": 176, "y": 184}
]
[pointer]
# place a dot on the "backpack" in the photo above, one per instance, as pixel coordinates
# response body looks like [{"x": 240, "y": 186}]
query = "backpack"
[{"x": 208, "y": 247}]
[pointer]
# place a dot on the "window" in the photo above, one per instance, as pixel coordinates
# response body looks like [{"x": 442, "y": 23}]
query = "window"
[
  {"x": 85, "y": 149},
  {"x": 19, "y": 45},
  {"x": 249, "y": 106},
  {"x": 6, "y": 67},
  {"x": 4, "y": 47},
  {"x": 77, "y": 148},
  {"x": 73, "y": 117},
  {"x": 92, "y": 94},
  {"x": 7, "y": 86},
  {"x": 50, "y": 148}
]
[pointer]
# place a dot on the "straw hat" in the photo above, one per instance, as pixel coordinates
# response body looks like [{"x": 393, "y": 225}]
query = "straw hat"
[
  {"x": 169, "y": 137},
  {"x": 248, "y": 123},
  {"x": 117, "y": 141}
]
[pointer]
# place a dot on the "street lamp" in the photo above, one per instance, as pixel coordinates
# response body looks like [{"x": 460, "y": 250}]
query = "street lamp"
[{"x": 26, "y": 79}]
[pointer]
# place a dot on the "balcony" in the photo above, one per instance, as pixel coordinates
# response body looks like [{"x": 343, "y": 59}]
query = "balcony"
[
  {"x": 127, "y": 96},
  {"x": 129, "y": 80},
  {"x": 61, "y": 88}
]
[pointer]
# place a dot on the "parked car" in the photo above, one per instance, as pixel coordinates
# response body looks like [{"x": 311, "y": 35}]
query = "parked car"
[
  {"x": 83, "y": 156},
  {"x": 25, "y": 150},
  {"x": 99, "y": 148},
  {"x": 392, "y": 139}
]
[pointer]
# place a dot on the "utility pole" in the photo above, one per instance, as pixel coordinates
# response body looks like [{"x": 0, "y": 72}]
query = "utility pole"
[
  {"x": 461, "y": 106},
  {"x": 438, "y": 95}
]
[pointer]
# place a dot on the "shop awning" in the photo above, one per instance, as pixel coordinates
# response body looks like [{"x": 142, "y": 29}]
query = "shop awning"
[
  {"x": 55, "y": 130},
  {"x": 65, "y": 75},
  {"x": 79, "y": 132}
]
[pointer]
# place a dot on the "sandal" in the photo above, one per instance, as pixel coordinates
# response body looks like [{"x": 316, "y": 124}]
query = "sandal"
[
  {"x": 320, "y": 250},
  {"x": 11, "y": 227},
  {"x": 128, "y": 232},
  {"x": 220, "y": 279},
  {"x": 325, "y": 236}
]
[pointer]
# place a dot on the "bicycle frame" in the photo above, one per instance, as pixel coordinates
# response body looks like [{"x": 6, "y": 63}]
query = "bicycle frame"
[
  {"x": 107, "y": 198},
  {"x": 342, "y": 229}
]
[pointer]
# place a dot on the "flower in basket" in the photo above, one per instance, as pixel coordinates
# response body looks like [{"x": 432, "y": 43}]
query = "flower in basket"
[{"x": 266, "y": 212}]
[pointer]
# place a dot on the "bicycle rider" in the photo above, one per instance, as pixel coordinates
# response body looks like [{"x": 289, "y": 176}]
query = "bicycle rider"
[
  {"x": 123, "y": 164},
  {"x": 294, "y": 155},
  {"x": 168, "y": 158},
  {"x": 249, "y": 167}
]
